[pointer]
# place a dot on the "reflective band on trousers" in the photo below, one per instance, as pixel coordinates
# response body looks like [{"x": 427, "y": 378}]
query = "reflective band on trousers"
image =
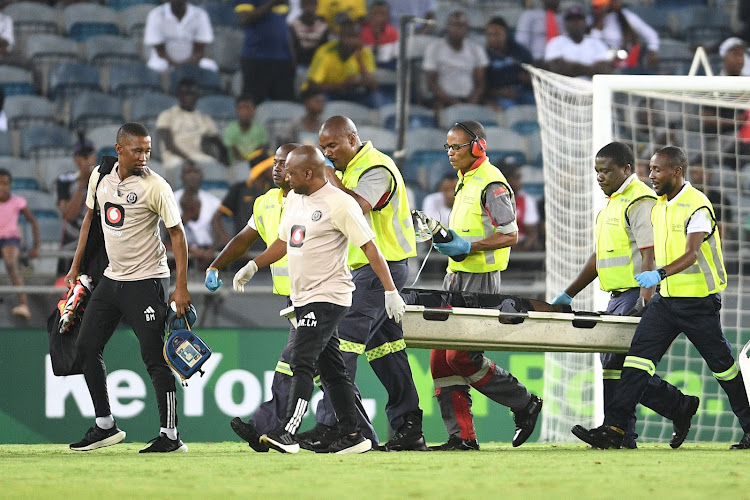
[
  {"x": 347, "y": 346},
  {"x": 611, "y": 374},
  {"x": 385, "y": 349},
  {"x": 459, "y": 380},
  {"x": 640, "y": 364},
  {"x": 284, "y": 368},
  {"x": 729, "y": 374}
]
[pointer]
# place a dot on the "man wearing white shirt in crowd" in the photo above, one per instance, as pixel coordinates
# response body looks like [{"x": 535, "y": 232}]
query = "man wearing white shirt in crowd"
[
  {"x": 178, "y": 32},
  {"x": 734, "y": 58},
  {"x": 192, "y": 177},
  {"x": 438, "y": 204},
  {"x": 536, "y": 27},
  {"x": 577, "y": 54},
  {"x": 621, "y": 28}
]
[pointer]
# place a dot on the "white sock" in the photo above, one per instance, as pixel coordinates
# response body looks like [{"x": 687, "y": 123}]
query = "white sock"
[
  {"x": 105, "y": 422},
  {"x": 171, "y": 432}
]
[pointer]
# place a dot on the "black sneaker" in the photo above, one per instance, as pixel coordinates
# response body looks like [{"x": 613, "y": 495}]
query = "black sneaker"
[
  {"x": 455, "y": 443},
  {"x": 744, "y": 443},
  {"x": 681, "y": 424},
  {"x": 603, "y": 437},
  {"x": 162, "y": 444},
  {"x": 321, "y": 436},
  {"x": 348, "y": 444},
  {"x": 409, "y": 436},
  {"x": 280, "y": 440},
  {"x": 96, "y": 437},
  {"x": 526, "y": 420},
  {"x": 247, "y": 432}
]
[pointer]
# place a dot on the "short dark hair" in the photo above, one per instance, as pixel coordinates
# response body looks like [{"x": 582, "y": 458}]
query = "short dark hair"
[
  {"x": 619, "y": 152},
  {"x": 187, "y": 81},
  {"x": 5, "y": 173},
  {"x": 474, "y": 126},
  {"x": 132, "y": 129},
  {"x": 675, "y": 156},
  {"x": 498, "y": 21}
]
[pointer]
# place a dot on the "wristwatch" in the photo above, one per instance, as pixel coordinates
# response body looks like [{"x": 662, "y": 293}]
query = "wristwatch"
[{"x": 662, "y": 273}]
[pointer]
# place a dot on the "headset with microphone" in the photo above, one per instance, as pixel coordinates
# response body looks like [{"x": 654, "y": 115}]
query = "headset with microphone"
[{"x": 478, "y": 146}]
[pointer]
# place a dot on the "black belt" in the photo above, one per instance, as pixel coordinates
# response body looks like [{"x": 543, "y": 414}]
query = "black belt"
[{"x": 617, "y": 293}]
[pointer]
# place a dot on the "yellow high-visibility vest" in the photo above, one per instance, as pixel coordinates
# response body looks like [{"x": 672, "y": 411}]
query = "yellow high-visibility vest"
[{"x": 267, "y": 211}]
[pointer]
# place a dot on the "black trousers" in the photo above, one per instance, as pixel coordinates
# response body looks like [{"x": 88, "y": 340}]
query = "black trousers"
[
  {"x": 268, "y": 79},
  {"x": 143, "y": 305},
  {"x": 316, "y": 344}
]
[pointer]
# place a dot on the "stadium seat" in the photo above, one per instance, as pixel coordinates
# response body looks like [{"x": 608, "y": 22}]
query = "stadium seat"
[
  {"x": 6, "y": 144},
  {"x": 215, "y": 176},
  {"x": 31, "y": 18},
  {"x": 656, "y": 17},
  {"x": 383, "y": 139},
  {"x": 426, "y": 159},
  {"x": 359, "y": 114},
  {"x": 84, "y": 20},
  {"x": 463, "y": 112},
  {"x": 68, "y": 79},
  {"x": 133, "y": 79},
  {"x": 502, "y": 142},
  {"x": 50, "y": 227},
  {"x": 701, "y": 25},
  {"x": 120, "y": 5},
  {"x": 133, "y": 22},
  {"x": 103, "y": 136},
  {"x": 93, "y": 109},
  {"x": 419, "y": 117},
  {"x": 208, "y": 81},
  {"x": 269, "y": 111},
  {"x": 146, "y": 107},
  {"x": 15, "y": 80},
  {"x": 25, "y": 110},
  {"x": 110, "y": 49},
  {"x": 23, "y": 172},
  {"x": 221, "y": 14},
  {"x": 42, "y": 141},
  {"x": 49, "y": 169},
  {"x": 219, "y": 107},
  {"x": 226, "y": 49}
]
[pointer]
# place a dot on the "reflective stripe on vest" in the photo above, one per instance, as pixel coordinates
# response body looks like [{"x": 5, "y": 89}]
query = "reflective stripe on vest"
[
  {"x": 392, "y": 224},
  {"x": 470, "y": 221},
  {"x": 707, "y": 275},
  {"x": 618, "y": 258},
  {"x": 267, "y": 211}
]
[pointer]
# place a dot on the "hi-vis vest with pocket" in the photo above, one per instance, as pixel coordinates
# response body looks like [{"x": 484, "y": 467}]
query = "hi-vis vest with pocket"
[
  {"x": 267, "y": 211},
  {"x": 618, "y": 258},
  {"x": 470, "y": 221},
  {"x": 392, "y": 224},
  {"x": 707, "y": 274}
]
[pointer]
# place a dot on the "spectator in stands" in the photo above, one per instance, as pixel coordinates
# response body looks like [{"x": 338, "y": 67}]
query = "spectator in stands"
[
  {"x": 266, "y": 63},
  {"x": 7, "y": 40},
  {"x": 3, "y": 115},
  {"x": 380, "y": 35},
  {"x": 536, "y": 27},
  {"x": 336, "y": 12},
  {"x": 733, "y": 57},
  {"x": 244, "y": 136},
  {"x": 625, "y": 34},
  {"x": 238, "y": 202},
  {"x": 199, "y": 253},
  {"x": 184, "y": 131},
  {"x": 178, "y": 32},
  {"x": 527, "y": 211},
  {"x": 200, "y": 226},
  {"x": 304, "y": 129},
  {"x": 421, "y": 9},
  {"x": 345, "y": 69},
  {"x": 438, "y": 204},
  {"x": 11, "y": 206},
  {"x": 71, "y": 197},
  {"x": 576, "y": 53},
  {"x": 508, "y": 84},
  {"x": 455, "y": 66},
  {"x": 307, "y": 33}
]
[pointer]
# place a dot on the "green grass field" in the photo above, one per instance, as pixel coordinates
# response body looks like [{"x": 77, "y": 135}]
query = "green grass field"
[{"x": 231, "y": 470}]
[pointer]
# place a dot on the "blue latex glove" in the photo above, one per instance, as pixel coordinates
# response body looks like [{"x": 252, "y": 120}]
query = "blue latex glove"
[
  {"x": 213, "y": 282},
  {"x": 648, "y": 279},
  {"x": 457, "y": 246},
  {"x": 562, "y": 300}
]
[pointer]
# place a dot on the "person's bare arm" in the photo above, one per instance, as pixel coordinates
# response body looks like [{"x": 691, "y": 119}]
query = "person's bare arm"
[
  {"x": 494, "y": 242},
  {"x": 161, "y": 51},
  {"x": 70, "y": 208},
  {"x": 336, "y": 182},
  {"x": 34, "y": 252},
  {"x": 199, "y": 49},
  {"x": 169, "y": 143},
  {"x": 432, "y": 83},
  {"x": 647, "y": 264},
  {"x": 687, "y": 259},
  {"x": 180, "y": 296},
  {"x": 273, "y": 253},
  {"x": 480, "y": 85},
  {"x": 236, "y": 248},
  {"x": 585, "y": 277},
  {"x": 83, "y": 236}
]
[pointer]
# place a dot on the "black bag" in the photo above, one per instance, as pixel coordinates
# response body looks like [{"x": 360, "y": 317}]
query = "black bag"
[{"x": 62, "y": 346}]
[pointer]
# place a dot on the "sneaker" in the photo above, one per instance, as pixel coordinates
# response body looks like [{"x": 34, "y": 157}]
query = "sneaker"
[
  {"x": 96, "y": 437},
  {"x": 409, "y": 436},
  {"x": 22, "y": 311},
  {"x": 681, "y": 424},
  {"x": 348, "y": 444},
  {"x": 319, "y": 437},
  {"x": 162, "y": 444},
  {"x": 455, "y": 443},
  {"x": 603, "y": 437},
  {"x": 247, "y": 432},
  {"x": 744, "y": 443},
  {"x": 526, "y": 420},
  {"x": 280, "y": 440}
]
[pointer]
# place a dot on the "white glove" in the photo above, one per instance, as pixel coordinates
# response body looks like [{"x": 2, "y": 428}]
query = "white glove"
[
  {"x": 394, "y": 305},
  {"x": 244, "y": 275}
]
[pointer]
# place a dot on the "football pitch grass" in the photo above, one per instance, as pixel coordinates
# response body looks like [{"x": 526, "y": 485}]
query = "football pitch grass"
[{"x": 231, "y": 470}]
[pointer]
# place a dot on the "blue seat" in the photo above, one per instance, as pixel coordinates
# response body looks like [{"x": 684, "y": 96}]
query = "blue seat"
[
  {"x": 219, "y": 107},
  {"x": 110, "y": 49},
  {"x": 68, "y": 79},
  {"x": 6, "y": 144},
  {"x": 84, "y": 20},
  {"x": 221, "y": 14},
  {"x": 45, "y": 141},
  {"x": 119, "y": 5},
  {"x": 94, "y": 109},
  {"x": 132, "y": 79},
  {"x": 16, "y": 81},
  {"x": 146, "y": 107},
  {"x": 425, "y": 167},
  {"x": 208, "y": 81}
]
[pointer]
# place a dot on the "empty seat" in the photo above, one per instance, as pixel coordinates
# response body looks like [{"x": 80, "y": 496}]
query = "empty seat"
[
  {"x": 120, "y": 5},
  {"x": 49, "y": 169},
  {"x": 38, "y": 201},
  {"x": 30, "y": 18},
  {"x": 381, "y": 138},
  {"x": 16, "y": 81},
  {"x": 208, "y": 81},
  {"x": 426, "y": 160},
  {"x": 269, "y": 111},
  {"x": 26, "y": 110},
  {"x": 146, "y": 107},
  {"x": 226, "y": 49},
  {"x": 84, "y": 20},
  {"x": 221, "y": 14},
  {"x": 419, "y": 117},
  {"x": 93, "y": 109},
  {"x": 42, "y": 141},
  {"x": 132, "y": 79},
  {"x": 463, "y": 112},
  {"x": 502, "y": 142},
  {"x": 6, "y": 144},
  {"x": 68, "y": 79},
  {"x": 110, "y": 49},
  {"x": 22, "y": 170},
  {"x": 219, "y": 107},
  {"x": 103, "y": 135},
  {"x": 359, "y": 114}
]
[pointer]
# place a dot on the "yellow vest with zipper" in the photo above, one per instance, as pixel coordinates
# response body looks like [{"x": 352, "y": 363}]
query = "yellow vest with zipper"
[
  {"x": 391, "y": 223},
  {"x": 267, "y": 211},
  {"x": 707, "y": 274}
]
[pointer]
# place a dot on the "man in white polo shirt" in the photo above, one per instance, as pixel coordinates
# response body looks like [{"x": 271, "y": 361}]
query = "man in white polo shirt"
[{"x": 576, "y": 53}]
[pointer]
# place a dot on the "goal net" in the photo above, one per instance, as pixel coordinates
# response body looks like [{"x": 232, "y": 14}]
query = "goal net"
[{"x": 706, "y": 116}]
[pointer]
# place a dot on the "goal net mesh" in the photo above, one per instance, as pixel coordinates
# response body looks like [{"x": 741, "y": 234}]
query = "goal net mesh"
[{"x": 710, "y": 127}]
